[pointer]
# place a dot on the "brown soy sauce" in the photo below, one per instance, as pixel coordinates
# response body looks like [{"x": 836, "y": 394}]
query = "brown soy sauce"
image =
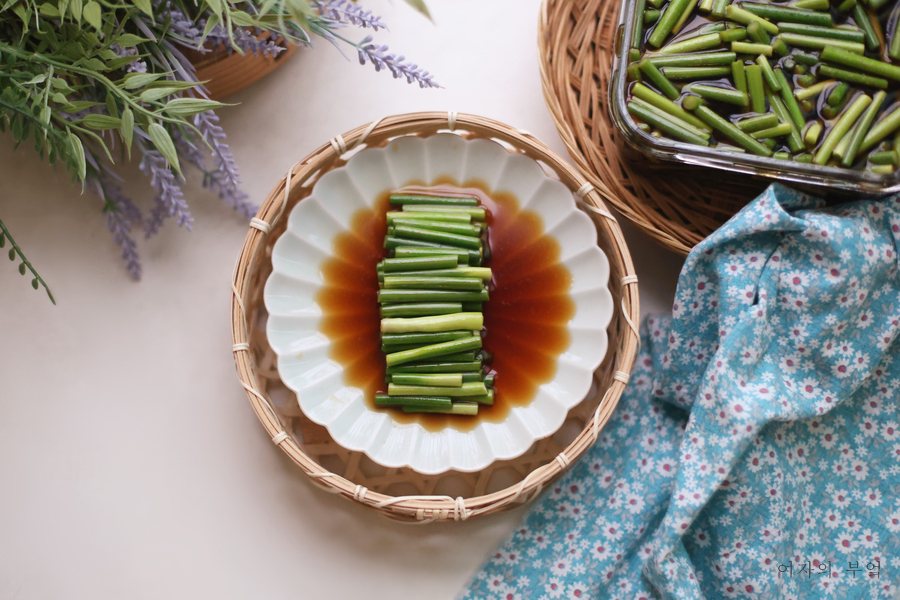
[{"x": 525, "y": 320}]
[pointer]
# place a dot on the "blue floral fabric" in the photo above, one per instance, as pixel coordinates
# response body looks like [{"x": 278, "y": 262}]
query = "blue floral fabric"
[{"x": 756, "y": 452}]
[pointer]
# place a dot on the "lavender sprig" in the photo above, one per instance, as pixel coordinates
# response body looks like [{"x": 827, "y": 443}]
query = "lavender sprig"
[
  {"x": 378, "y": 56},
  {"x": 248, "y": 40},
  {"x": 121, "y": 216},
  {"x": 183, "y": 27},
  {"x": 343, "y": 12},
  {"x": 225, "y": 178},
  {"x": 120, "y": 228},
  {"x": 121, "y": 212},
  {"x": 169, "y": 200},
  {"x": 135, "y": 66},
  {"x": 188, "y": 151},
  {"x": 166, "y": 56}
]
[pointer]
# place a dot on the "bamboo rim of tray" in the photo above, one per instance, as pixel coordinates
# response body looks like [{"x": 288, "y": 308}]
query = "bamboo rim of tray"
[
  {"x": 677, "y": 205},
  {"x": 611, "y": 376}
]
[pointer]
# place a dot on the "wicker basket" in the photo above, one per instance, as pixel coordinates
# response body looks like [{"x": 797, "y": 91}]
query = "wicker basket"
[
  {"x": 229, "y": 73},
  {"x": 677, "y": 205},
  {"x": 401, "y": 493}
]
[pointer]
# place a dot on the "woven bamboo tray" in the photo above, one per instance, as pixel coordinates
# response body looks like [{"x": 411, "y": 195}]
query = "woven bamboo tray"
[
  {"x": 229, "y": 73},
  {"x": 401, "y": 493},
  {"x": 676, "y": 205}
]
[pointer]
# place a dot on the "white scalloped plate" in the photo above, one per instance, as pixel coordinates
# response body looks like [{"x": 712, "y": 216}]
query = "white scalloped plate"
[{"x": 303, "y": 351}]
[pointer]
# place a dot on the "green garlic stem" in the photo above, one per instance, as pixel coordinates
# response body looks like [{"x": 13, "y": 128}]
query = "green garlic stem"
[
  {"x": 467, "y": 389},
  {"x": 458, "y": 321},
  {"x": 840, "y": 129}
]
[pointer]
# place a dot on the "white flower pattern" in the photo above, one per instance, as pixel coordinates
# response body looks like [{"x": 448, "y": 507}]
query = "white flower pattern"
[{"x": 760, "y": 427}]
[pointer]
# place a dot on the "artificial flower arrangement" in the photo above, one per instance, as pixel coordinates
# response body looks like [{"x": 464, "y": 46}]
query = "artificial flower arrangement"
[{"x": 92, "y": 82}]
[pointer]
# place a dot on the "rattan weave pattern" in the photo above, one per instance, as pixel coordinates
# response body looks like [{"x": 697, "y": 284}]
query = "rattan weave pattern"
[
  {"x": 677, "y": 205},
  {"x": 227, "y": 74},
  {"x": 428, "y": 498}
]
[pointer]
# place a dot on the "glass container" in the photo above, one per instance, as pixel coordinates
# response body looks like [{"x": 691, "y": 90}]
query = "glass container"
[{"x": 860, "y": 182}]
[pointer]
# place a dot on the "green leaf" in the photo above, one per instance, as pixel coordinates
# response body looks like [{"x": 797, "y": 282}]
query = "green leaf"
[
  {"x": 59, "y": 98},
  {"x": 77, "y": 150},
  {"x": 92, "y": 40},
  {"x": 127, "y": 129},
  {"x": 79, "y": 105},
  {"x": 75, "y": 9},
  {"x": 92, "y": 14},
  {"x": 210, "y": 24},
  {"x": 95, "y": 64},
  {"x": 101, "y": 122},
  {"x": 16, "y": 127},
  {"x": 300, "y": 11},
  {"x": 99, "y": 141},
  {"x": 48, "y": 10},
  {"x": 109, "y": 55},
  {"x": 24, "y": 14},
  {"x": 268, "y": 19},
  {"x": 420, "y": 6},
  {"x": 111, "y": 107},
  {"x": 37, "y": 79},
  {"x": 45, "y": 116},
  {"x": 126, "y": 40},
  {"x": 164, "y": 144},
  {"x": 144, "y": 6},
  {"x": 59, "y": 83},
  {"x": 303, "y": 7},
  {"x": 177, "y": 85},
  {"x": 216, "y": 7},
  {"x": 186, "y": 107},
  {"x": 71, "y": 50},
  {"x": 62, "y": 7},
  {"x": 118, "y": 63},
  {"x": 242, "y": 19},
  {"x": 139, "y": 80},
  {"x": 153, "y": 94},
  {"x": 267, "y": 7}
]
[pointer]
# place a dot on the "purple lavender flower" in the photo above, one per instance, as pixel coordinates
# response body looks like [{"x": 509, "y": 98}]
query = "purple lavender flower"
[
  {"x": 183, "y": 27},
  {"x": 247, "y": 39},
  {"x": 169, "y": 201},
  {"x": 342, "y": 12},
  {"x": 224, "y": 179},
  {"x": 188, "y": 150},
  {"x": 379, "y": 57},
  {"x": 171, "y": 31},
  {"x": 121, "y": 216},
  {"x": 120, "y": 227},
  {"x": 135, "y": 66}
]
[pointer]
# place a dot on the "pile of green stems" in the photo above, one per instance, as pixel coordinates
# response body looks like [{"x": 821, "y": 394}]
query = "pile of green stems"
[
  {"x": 811, "y": 81},
  {"x": 431, "y": 292}
]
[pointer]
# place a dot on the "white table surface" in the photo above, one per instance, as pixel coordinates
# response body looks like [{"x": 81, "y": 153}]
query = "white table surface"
[{"x": 132, "y": 466}]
